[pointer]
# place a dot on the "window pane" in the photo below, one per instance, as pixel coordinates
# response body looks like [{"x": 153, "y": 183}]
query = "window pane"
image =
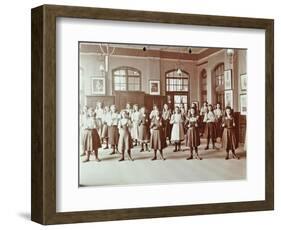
[
  {"x": 117, "y": 87},
  {"x": 185, "y": 88},
  {"x": 177, "y": 99},
  {"x": 131, "y": 87},
  {"x": 123, "y": 87},
  {"x": 131, "y": 80},
  {"x": 120, "y": 79},
  {"x": 122, "y": 72}
]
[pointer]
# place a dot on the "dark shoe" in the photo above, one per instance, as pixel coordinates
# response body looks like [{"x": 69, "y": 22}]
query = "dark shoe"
[
  {"x": 235, "y": 156},
  {"x": 207, "y": 147},
  {"x": 142, "y": 150},
  {"x": 130, "y": 158},
  {"x": 86, "y": 160},
  {"x": 147, "y": 149},
  {"x": 106, "y": 147},
  {"x": 154, "y": 158},
  {"x": 162, "y": 157},
  {"x": 112, "y": 153},
  {"x": 190, "y": 157},
  {"x": 121, "y": 159}
]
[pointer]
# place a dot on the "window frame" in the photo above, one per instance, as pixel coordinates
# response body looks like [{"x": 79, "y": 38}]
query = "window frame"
[
  {"x": 127, "y": 76},
  {"x": 218, "y": 75},
  {"x": 180, "y": 78}
]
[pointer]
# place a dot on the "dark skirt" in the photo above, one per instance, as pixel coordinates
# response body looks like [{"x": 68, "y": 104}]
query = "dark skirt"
[
  {"x": 219, "y": 128},
  {"x": 201, "y": 125},
  {"x": 104, "y": 132},
  {"x": 113, "y": 135},
  {"x": 91, "y": 140},
  {"x": 157, "y": 139},
  {"x": 211, "y": 130},
  {"x": 125, "y": 140},
  {"x": 144, "y": 133},
  {"x": 229, "y": 141},
  {"x": 193, "y": 137},
  {"x": 167, "y": 128}
]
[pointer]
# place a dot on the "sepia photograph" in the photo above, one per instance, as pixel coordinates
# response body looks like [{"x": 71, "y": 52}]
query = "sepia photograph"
[
  {"x": 160, "y": 114},
  {"x": 154, "y": 87},
  {"x": 243, "y": 79},
  {"x": 98, "y": 85}
]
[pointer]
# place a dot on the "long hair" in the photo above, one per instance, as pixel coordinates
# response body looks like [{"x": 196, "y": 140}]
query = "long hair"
[{"x": 231, "y": 111}]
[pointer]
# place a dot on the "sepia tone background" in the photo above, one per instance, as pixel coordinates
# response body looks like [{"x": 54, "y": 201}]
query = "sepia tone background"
[{"x": 127, "y": 69}]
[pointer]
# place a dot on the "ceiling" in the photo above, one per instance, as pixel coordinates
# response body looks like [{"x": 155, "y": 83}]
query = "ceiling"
[{"x": 178, "y": 49}]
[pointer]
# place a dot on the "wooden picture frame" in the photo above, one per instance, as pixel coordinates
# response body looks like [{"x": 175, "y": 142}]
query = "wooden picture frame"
[
  {"x": 228, "y": 79},
  {"x": 43, "y": 160},
  {"x": 243, "y": 82},
  {"x": 228, "y": 98},
  {"x": 154, "y": 87},
  {"x": 243, "y": 104},
  {"x": 98, "y": 85}
]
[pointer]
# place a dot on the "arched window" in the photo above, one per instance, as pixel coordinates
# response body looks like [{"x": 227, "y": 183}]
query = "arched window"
[
  {"x": 177, "y": 87},
  {"x": 218, "y": 74},
  {"x": 126, "y": 79},
  {"x": 203, "y": 85}
]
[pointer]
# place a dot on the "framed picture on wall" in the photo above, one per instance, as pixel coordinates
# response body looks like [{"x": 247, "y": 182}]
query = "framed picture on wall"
[
  {"x": 84, "y": 167},
  {"x": 243, "y": 104},
  {"x": 228, "y": 98},
  {"x": 243, "y": 81},
  {"x": 98, "y": 86},
  {"x": 227, "y": 79},
  {"x": 154, "y": 87}
]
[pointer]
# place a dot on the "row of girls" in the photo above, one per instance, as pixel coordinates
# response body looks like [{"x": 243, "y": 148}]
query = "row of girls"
[{"x": 132, "y": 126}]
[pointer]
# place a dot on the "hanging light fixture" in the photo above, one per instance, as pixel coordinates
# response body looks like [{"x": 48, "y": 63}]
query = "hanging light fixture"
[
  {"x": 106, "y": 52},
  {"x": 230, "y": 53},
  {"x": 101, "y": 68},
  {"x": 179, "y": 71}
]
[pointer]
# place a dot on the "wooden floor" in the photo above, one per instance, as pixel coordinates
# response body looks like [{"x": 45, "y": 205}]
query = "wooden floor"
[{"x": 175, "y": 169}]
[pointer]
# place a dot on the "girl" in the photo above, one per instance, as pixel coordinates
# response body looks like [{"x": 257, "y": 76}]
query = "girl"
[
  {"x": 210, "y": 120},
  {"x": 229, "y": 141},
  {"x": 83, "y": 120},
  {"x": 135, "y": 119},
  {"x": 99, "y": 115},
  {"x": 177, "y": 135},
  {"x": 218, "y": 113},
  {"x": 128, "y": 109},
  {"x": 166, "y": 116},
  {"x": 105, "y": 119},
  {"x": 124, "y": 143},
  {"x": 144, "y": 129},
  {"x": 157, "y": 139},
  {"x": 203, "y": 111},
  {"x": 112, "y": 123},
  {"x": 193, "y": 136},
  {"x": 153, "y": 112},
  {"x": 91, "y": 139}
]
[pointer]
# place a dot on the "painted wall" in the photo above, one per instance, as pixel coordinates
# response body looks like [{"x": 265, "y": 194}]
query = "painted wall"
[
  {"x": 155, "y": 69},
  {"x": 151, "y": 69}
]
